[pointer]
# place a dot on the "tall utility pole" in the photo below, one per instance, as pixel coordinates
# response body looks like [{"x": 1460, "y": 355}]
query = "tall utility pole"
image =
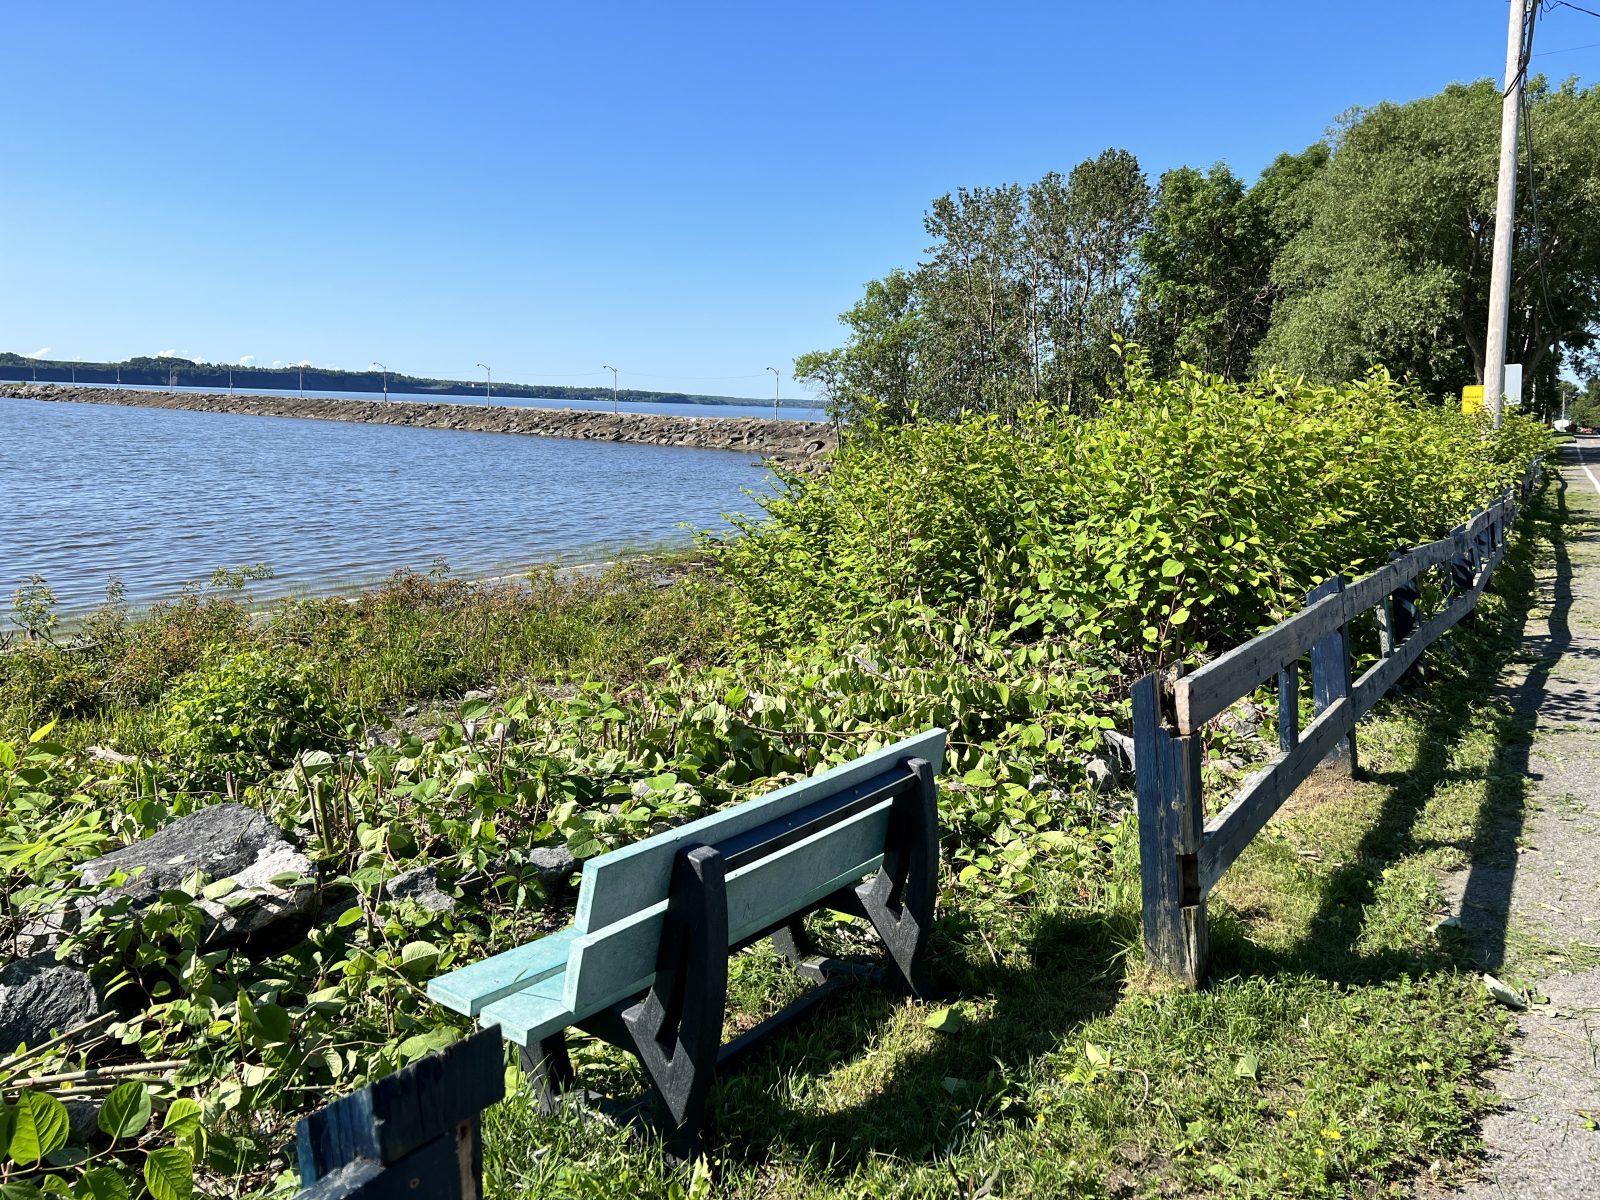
[
  {"x": 775, "y": 378},
  {"x": 613, "y": 371},
  {"x": 1519, "y": 42},
  {"x": 385, "y": 371},
  {"x": 488, "y": 383}
]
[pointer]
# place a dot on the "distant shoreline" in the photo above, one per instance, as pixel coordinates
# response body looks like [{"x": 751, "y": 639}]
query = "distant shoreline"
[{"x": 786, "y": 440}]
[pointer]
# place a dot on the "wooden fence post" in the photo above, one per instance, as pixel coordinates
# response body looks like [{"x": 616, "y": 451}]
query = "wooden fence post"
[
  {"x": 1403, "y": 617},
  {"x": 1330, "y": 673},
  {"x": 415, "y": 1133},
  {"x": 1171, "y": 824}
]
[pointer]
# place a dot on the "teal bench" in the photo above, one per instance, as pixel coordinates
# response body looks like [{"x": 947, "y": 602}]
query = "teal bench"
[{"x": 644, "y": 964}]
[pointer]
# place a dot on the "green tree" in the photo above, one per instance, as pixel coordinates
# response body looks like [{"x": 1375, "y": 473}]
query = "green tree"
[
  {"x": 1389, "y": 260},
  {"x": 879, "y": 370},
  {"x": 1207, "y": 294},
  {"x": 1021, "y": 298}
]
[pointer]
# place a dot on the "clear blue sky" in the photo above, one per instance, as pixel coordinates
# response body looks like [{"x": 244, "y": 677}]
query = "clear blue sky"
[{"x": 691, "y": 192}]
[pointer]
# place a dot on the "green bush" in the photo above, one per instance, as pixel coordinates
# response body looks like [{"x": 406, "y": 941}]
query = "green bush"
[
  {"x": 247, "y": 714},
  {"x": 1186, "y": 516}
]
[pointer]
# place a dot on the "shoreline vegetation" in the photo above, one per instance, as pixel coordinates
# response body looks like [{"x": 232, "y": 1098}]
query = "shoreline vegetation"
[
  {"x": 444, "y": 753},
  {"x": 792, "y": 441}
]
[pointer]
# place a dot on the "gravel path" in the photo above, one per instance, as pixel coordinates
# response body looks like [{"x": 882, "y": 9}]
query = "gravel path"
[{"x": 1530, "y": 902}]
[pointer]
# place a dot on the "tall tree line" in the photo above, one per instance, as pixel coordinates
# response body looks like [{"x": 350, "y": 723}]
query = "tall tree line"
[{"x": 1369, "y": 247}]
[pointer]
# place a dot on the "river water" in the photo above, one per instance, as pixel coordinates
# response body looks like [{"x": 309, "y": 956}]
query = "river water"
[{"x": 160, "y": 498}]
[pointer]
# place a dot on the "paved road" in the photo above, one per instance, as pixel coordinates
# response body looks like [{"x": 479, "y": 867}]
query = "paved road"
[{"x": 1533, "y": 894}]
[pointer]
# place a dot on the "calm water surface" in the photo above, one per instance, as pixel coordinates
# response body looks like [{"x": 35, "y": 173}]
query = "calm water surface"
[{"x": 161, "y": 498}]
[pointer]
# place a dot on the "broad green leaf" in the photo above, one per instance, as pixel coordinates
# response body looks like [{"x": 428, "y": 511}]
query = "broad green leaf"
[
  {"x": 418, "y": 958},
  {"x": 39, "y": 1126},
  {"x": 103, "y": 1183},
  {"x": 272, "y": 1020},
  {"x": 169, "y": 1174},
  {"x": 947, "y": 1020},
  {"x": 417, "y": 1045},
  {"x": 183, "y": 1117},
  {"x": 126, "y": 1111}
]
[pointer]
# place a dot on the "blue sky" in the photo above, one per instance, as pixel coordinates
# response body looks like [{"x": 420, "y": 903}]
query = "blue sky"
[{"x": 690, "y": 192}]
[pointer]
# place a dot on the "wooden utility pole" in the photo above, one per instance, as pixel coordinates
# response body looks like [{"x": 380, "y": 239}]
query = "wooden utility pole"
[{"x": 1519, "y": 39}]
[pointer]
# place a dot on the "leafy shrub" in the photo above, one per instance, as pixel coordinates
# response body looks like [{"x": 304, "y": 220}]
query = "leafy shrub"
[
  {"x": 135, "y": 1148},
  {"x": 1188, "y": 515},
  {"x": 247, "y": 714}
]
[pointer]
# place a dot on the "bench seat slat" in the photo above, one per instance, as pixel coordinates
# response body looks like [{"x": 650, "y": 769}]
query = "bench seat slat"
[
  {"x": 527, "y": 1016},
  {"x": 468, "y": 989}
]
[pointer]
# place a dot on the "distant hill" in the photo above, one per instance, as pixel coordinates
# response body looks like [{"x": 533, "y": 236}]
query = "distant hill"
[{"x": 181, "y": 372}]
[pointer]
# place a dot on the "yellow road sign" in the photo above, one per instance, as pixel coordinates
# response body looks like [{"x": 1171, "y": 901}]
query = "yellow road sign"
[{"x": 1472, "y": 398}]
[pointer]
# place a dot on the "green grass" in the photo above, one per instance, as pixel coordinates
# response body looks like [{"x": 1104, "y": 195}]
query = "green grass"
[{"x": 1336, "y": 1050}]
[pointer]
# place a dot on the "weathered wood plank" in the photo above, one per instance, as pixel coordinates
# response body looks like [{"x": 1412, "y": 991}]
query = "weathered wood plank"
[
  {"x": 1167, "y": 789},
  {"x": 1289, "y": 706},
  {"x": 400, "y": 1113},
  {"x": 469, "y": 988},
  {"x": 623, "y": 882},
  {"x": 1230, "y": 831},
  {"x": 1225, "y": 680}
]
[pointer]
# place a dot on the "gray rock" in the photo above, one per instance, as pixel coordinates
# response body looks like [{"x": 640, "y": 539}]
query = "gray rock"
[
  {"x": 218, "y": 840},
  {"x": 225, "y": 842},
  {"x": 1102, "y": 776},
  {"x": 39, "y": 998},
  {"x": 1244, "y": 718},
  {"x": 257, "y": 901},
  {"x": 421, "y": 884},
  {"x": 83, "y": 1117},
  {"x": 1120, "y": 748},
  {"x": 554, "y": 865}
]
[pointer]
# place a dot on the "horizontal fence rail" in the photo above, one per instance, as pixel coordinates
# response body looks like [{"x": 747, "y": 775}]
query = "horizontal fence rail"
[{"x": 1183, "y": 854}]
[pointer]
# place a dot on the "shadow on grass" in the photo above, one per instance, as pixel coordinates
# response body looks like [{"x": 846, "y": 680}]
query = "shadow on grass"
[
  {"x": 1461, "y": 681},
  {"x": 1026, "y": 1001}
]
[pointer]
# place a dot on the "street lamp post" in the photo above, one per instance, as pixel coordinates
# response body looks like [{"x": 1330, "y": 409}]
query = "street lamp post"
[
  {"x": 613, "y": 371},
  {"x": 302, "y": 381},
  {"x": 385, "y": 371},
  {"x": 775, "y": 379},
  {"x": 230, "y": 381},
  {"x": 488, "y": 384}
]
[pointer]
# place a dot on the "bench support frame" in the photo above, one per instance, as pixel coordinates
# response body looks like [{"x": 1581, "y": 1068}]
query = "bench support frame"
[{"x": 675, "y": 1029}]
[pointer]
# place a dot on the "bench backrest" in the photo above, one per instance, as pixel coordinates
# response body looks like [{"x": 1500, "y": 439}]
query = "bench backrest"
[{"x": 631, "y": 882}]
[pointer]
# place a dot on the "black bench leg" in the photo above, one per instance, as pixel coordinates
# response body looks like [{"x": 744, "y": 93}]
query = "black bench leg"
[
  {"x": 677, "y": 1028},
  {"x": 899, "y": 899},
  {"x": 549, "y": 1070},
  {"x": 795, "y": 944}
]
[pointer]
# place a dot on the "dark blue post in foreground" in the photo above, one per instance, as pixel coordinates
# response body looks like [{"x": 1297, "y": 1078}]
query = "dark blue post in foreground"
[{"x": 413, "y": 1134}]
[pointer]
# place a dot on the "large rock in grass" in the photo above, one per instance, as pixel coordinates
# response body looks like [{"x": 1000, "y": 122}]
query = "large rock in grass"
[
  {"x": 257, "y": 878},
  {"x": 39, "y": 998}
]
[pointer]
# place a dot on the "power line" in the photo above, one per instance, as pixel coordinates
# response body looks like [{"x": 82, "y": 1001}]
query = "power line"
[
  {"x": 1565, "y": 50},
  {"x": 1539, "y": 240},
  {"x": 1574, "y": 7}
]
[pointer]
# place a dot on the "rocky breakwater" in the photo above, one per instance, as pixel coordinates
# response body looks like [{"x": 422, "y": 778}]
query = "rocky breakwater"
[{"x": 794, "y": 441}]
